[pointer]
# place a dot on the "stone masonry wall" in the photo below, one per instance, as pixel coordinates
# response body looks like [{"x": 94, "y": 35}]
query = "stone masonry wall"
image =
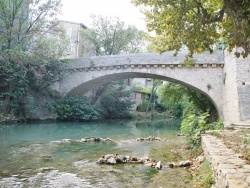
[
  {"x": 236, "y": 90},
  {"x": 230, "y": 171},
  {"x": 243, "y": 88},
  {"x": 230, "y": 95}
]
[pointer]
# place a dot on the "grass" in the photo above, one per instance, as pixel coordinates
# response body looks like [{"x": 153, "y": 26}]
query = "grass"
[
  {"x": 204, "y": 177},
  {"x": 215, "y": 134},
  {"x": 175, "y": 151}
]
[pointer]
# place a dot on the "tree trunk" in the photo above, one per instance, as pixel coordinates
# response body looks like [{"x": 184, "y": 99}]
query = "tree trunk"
[
  {"x": 150, "y": 98},
  {"x": 99, "y": 92},
  {"x": 6, "y": 105}
]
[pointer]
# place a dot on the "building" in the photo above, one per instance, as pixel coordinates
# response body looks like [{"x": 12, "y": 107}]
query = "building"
[{"x": 72, "y": 29}]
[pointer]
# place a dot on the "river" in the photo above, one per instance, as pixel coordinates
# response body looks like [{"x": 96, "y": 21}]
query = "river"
[{"x": 30, "y": 157}]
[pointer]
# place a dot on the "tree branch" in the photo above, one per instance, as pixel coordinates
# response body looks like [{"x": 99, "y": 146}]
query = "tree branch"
[{"x": 207, "y": 18}]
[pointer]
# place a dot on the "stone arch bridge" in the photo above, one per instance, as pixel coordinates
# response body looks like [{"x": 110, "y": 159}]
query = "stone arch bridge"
[{"x": 205, "y": 73}]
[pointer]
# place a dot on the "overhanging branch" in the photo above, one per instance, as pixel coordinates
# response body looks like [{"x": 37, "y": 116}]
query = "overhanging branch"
[{"x": 207, "y": 18}]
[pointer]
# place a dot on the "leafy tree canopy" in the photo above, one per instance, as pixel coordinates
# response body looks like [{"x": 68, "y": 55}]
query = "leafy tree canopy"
[
  {"x": 173, "y": 95},
  {"x": 110, "y": 36},
  {"x": 116, "y": 101},
  {"x": 198, "y": 24},
  {"x": 31, "y": 45}
]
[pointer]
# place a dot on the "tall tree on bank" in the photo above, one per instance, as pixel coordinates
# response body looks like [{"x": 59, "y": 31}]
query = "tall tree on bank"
[
  {"x": 155, "y": 84},
  {"x": 198, "y": 24},
  {"x": 116, "y": 101},
  {"x": 110, "y": 36},
  {"x": 30, "y": 48}
]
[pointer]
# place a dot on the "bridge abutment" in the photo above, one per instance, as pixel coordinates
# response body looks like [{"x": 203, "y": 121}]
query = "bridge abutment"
[{"x": 236, "y": 89}]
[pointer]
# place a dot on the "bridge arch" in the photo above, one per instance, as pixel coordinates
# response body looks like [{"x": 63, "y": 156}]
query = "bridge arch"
[
  {"x": 102, "y": 80},
  {"x": 205, "y": 75}
]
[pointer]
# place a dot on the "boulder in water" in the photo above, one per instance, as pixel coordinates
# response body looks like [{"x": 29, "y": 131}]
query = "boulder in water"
[
  {"x": 150, "y": 138},
  {"x": 185, "y": 163},
  {"x": 158, "y": 165},
  {"x": 111, "y": 160}
]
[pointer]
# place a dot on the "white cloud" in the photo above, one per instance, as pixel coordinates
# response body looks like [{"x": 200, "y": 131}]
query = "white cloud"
[{"x": 80, "y": 11}]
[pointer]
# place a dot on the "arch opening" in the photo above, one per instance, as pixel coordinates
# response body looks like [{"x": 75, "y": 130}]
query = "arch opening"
[{"x": 94, "y": 83}]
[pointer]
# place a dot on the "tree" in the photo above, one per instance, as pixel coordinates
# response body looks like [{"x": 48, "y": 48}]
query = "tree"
[
  {"x": 198, "y": 24},
  {"x": 175, "y": 95},
  {"x": 116, "y": 101},
  {"x": 155, "y": 84},
  {"x": 30, "y": 48},
  {"x": 109, "y": 36}
]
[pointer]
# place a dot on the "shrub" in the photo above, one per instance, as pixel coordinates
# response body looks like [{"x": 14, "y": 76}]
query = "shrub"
[
  {"x": 205, "y": 178},
  {"x": 75, "y": 108},
  {"x": 192, "y": 127},
  {"x": 143, "y": 106}
]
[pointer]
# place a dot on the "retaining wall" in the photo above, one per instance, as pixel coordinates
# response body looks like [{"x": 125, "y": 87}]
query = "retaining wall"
[{"x": 230, "y": 171}]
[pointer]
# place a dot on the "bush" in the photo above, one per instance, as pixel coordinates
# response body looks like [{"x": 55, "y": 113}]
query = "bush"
[
  {"x": 143, "y": 106},
  {"x": 75, "y": 108},
  {"x": 205, "y": 177},
  {"x": 192, "y": 127}
]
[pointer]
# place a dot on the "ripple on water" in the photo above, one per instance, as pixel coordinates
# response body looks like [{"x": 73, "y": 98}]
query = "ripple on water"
[{"x": 74, "y": 164}]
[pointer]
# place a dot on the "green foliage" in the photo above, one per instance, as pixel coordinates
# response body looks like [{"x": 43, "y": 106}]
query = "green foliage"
[
  {"x": 215, "y": 134},
  {"x": 178, "y": 99},
  {"x": 116, "y": 101},
  {"x": 75, "y": 108},
  {"x": 31, "y": 107},
  {"x": 136, "y": 87},
  {"x": 201, "y": 24},
  {"x": 32, "y": 43},
  {"x": 172, "y": 96},
  {"x": 171, "y": 93},
  {"x": 153, "y": 96},
  {"x": 193, "y": 126},
  {"x": 143, "y": 106},
  {"x": 109, "y": 36},
  {"x": 221, "y": 45},
  {"x": 216, "y": 125},
  {"x": 205, "y": 178},
  {"x": 189, "y": 61}
]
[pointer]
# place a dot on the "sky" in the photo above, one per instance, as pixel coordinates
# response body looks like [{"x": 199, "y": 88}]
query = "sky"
[{"x": 80, "y": 10}]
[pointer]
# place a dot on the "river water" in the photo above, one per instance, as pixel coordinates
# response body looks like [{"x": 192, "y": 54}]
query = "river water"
[{"x": 30, "y": 157}]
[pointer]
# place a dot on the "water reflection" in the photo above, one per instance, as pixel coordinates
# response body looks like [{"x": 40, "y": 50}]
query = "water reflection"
[{"x": 45, "y": 132}]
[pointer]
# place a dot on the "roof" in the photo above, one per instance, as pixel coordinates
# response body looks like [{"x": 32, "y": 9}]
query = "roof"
[{"x": 81, "y": 24}]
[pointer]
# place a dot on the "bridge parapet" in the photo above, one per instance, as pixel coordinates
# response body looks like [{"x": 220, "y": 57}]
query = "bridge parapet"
[
  {"x": 147, "y": 66},
  {"x": 151, "y": 59}
]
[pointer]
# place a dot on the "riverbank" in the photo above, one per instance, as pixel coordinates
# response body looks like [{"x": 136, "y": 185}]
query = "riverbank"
[
  {"x": 228, "y": 152},
  {"x": 227, "y": 165},
  {"x": 8, "y": 118},
  {"x": 198, "y": 175},
  {"x": 133, "y": 115}
]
